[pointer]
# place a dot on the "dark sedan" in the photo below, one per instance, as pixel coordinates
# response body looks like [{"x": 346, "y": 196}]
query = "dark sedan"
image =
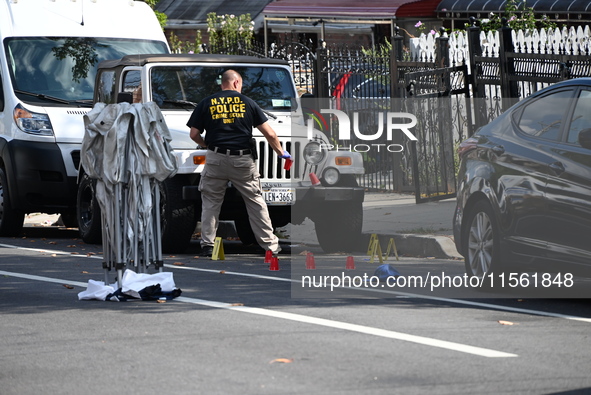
[{"x": 524, "y": 186}]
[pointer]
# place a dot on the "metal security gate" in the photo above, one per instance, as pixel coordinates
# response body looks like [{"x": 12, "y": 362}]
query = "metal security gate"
[
  {"x": 302, "y": 60},
  {"x": 439, "y": 99},
  {"x": 358, "y": 83}
]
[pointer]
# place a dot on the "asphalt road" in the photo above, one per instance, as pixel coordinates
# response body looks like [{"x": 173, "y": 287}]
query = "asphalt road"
[{"x": 239, "y": 328}]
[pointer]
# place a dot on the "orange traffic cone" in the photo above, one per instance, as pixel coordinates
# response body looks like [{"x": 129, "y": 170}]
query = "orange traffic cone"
[
  {"x": 268, "y": 256},
  {"x": 310, "y": 261},
  {"x": 350, "y": 263},
  {"x": 314, "y": 179},
  {"x": 274, "y": 266}
]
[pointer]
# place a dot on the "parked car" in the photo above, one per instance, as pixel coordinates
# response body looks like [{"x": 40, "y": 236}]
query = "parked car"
[
  {"x": 357, "y": 86},
  {"x": 524, "y": 186}
]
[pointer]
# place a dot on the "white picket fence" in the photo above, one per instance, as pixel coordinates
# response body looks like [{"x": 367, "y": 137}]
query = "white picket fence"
[{"x": 570, "y": 41}]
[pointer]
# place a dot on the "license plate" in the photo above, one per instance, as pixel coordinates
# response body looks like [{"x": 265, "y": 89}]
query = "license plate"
[{"x": 276, "y": 196}]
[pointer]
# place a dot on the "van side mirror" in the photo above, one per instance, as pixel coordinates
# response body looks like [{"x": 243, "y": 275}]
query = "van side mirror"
[{"x": 585, "y": 138}]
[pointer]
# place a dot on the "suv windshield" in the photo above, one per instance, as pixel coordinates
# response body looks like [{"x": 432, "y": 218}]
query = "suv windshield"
[
  {"x": 175, "y": 86},
  {"x": 49, "y": 69}
]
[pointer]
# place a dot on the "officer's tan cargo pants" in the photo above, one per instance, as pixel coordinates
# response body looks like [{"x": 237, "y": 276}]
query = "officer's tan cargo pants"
[{"x": 241, "y": 171}]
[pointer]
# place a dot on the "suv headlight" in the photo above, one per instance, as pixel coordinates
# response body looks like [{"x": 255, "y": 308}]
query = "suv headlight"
[
  {"x": 313, "y": 153},
  {"x": 32, "y": 122}
]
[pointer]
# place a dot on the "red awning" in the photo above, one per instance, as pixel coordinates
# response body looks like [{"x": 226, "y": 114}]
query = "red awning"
[
  {"x": 336, "y": 8},
  {"x": 421, "y": 8}
]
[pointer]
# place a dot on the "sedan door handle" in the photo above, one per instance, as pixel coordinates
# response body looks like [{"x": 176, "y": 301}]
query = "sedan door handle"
[
  {"x": 557, "y": 167},
  {"x": 498, "y": 150}
]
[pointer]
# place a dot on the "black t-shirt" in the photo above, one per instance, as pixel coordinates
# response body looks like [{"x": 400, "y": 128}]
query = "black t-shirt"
[{"x": 228, "y": 118}]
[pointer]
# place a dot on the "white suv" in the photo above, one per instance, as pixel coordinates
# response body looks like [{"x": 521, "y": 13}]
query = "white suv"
[{"x": 177, "y": 83}]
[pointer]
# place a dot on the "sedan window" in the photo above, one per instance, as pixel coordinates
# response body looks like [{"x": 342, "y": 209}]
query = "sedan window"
[
  {"x": 581, "y": 117},
  {"x": 543, "y": 117}
]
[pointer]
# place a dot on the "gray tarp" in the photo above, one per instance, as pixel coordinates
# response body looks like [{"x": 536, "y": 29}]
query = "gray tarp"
[{"x": 126, "y": 149}]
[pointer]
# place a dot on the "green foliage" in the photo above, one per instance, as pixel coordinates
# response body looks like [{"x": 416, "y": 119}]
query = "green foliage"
[
  {"x": 519, "y": 16},
  {"x": 227, "y": 30},
  {"x": 379, "y": 55},
  {"x": 162, "y": 18},
  {"x": 178, "y": 46},
  {"x": 381, "y": 50}
]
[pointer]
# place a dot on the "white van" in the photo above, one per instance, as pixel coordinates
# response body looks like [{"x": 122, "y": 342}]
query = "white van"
[{"x": 49, "y": 53}]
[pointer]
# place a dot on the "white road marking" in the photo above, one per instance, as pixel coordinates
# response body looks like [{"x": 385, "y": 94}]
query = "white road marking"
[
  {"x": 483, "y": 352},
  {"x": 479, "y": 351},
  {"x": 404, "y": 295},
  {"x": 400, "y": 294},
  {"x": 42, "y": 250},
  {"x": 43, "y": 278}
]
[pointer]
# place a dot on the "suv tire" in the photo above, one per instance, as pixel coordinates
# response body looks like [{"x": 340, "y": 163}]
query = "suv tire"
[
  {"x": 244, "y": 230},
  {"x": 338, "y": 227},
  {"x": 88, "y": 212},
  {"x": 178, "y": 216}
]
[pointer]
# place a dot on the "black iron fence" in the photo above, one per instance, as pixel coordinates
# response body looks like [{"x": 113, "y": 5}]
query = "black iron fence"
[{"x": 452, "y": 90}]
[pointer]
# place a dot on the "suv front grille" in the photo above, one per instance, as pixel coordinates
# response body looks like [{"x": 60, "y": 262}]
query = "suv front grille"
[{"x": 271, "y": 167}]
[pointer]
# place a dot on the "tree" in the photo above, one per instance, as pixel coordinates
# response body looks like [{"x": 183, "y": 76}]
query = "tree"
[
  {"x": 228, "y": 30},
  {"x": 162, "y": 18}
]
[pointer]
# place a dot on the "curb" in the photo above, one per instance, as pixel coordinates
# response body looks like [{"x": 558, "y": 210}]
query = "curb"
[{"x": 441, "y": 247}]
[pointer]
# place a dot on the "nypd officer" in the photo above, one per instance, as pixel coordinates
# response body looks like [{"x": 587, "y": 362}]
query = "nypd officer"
[{"x": 228, "y": 117}]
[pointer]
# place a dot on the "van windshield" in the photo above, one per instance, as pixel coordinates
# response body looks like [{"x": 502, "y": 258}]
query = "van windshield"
[
  {"x": 45, "y": 70},
  {"x": 173, "y": 87}
]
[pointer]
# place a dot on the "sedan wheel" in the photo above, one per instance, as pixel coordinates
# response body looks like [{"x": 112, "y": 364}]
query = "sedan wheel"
[{"x": 481, "y": 237}]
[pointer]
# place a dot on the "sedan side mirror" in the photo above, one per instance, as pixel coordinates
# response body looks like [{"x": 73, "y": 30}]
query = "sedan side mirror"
[{"x": 585, "y": 138}]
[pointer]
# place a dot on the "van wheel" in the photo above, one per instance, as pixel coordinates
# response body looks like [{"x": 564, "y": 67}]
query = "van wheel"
[
  {"x": 11, "y": 220},
  {"x": 481, "y": 235},
  {"x": 88, "y": 212},
  {"x": 338, "y": 228},
  {"x": 178, "y": 217}
]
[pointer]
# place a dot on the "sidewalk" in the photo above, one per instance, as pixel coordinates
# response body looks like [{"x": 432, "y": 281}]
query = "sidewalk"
[{"x": 420, "y": 230}]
